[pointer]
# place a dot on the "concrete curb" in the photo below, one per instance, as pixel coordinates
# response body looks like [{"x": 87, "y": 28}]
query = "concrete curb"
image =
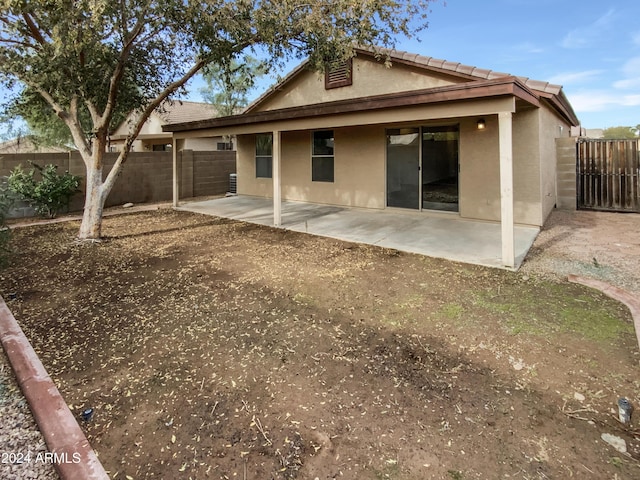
[
  {"x": 74, "y": 458},
  {"x": 112, "y": 211},
  {"x": 617, "y": 294}
]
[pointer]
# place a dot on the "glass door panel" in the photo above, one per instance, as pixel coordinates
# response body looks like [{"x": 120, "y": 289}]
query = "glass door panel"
[
  {"x": 440, "y": 168},
  {"x": 403, "y": 168}
]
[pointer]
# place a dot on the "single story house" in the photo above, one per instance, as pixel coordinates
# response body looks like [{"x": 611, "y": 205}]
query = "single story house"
[
  {"x": 153, "y": 138},
  {"x": 395, "y": 130}
]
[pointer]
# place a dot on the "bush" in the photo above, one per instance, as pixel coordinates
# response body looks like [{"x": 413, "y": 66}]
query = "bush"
[
  {"x": 6, "y": 201},
  {"x": 47, "y": 196}
]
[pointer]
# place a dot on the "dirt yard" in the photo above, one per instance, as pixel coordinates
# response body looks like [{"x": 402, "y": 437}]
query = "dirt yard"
[{"x": 216, "y": 349}]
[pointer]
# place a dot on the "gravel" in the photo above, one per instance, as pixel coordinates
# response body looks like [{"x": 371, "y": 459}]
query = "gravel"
[
  {"x": 600, "y": 245},
  {"x": 20, "y": 438}
]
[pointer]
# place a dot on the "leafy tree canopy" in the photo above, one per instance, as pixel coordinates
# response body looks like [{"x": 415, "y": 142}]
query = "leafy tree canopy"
[
  {"x": 621, "y": 132},
  {"x": 105, "y": 58},
  {"x": 228, "y": 87}
]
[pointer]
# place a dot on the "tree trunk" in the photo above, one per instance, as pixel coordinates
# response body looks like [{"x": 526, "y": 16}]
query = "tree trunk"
[{"x": 91, "y": 227}]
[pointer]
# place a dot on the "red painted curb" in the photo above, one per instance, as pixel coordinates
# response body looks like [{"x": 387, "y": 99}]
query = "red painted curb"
[
  {"x": 617, "y": 294},
  {"x": 74, "y": 459}
]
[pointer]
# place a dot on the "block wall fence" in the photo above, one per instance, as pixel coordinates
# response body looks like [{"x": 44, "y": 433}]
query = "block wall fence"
[
  {"x": 146, "y": 176},
  {"x": 566, "y": 173}
]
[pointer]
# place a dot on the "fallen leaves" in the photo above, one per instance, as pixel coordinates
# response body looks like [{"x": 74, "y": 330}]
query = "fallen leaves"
[{"x": 219, "y": 349}]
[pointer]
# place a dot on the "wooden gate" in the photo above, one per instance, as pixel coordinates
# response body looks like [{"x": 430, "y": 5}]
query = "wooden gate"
[{"x": 608, "y": 174}]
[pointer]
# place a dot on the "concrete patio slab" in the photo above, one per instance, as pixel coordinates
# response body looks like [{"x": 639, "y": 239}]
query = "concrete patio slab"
[{"x": 437, "y": 235}]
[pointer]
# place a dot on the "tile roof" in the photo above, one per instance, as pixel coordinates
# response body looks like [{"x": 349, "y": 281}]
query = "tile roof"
[
  {"x": 459, "y": 68},
  {"x": 180, "y": 111}
]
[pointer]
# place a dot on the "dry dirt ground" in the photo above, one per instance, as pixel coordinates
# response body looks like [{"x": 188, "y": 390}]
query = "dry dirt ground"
[{"x": 217, "y": 349}]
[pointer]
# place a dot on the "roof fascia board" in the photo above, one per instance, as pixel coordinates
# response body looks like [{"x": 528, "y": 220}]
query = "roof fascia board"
[
  {"x": 508, "y": 86},
  {"x": 273, "y": 90},
  {"x": 561, "y": 104},
  {"x": 413, "y": 114}
]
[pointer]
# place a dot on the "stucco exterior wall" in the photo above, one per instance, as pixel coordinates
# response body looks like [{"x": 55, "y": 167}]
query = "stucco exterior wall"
[
  {"x": 359, "y": 169},
  {"x": 479, "y": 182},
  {"x": 206, "y": 144},
  {"x": 552, "y": 127},
  {"x": 526, "y": 168},
  {"x": 479, "y": 177},
  {"x": 369, "y": 78}
]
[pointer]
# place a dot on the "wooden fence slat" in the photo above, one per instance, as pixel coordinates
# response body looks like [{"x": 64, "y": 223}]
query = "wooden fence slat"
[{"x": 608, "y": 174}]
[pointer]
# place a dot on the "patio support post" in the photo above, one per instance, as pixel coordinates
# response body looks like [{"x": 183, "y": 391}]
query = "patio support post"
[
  {"x": 505, "y": 127},
  {"x": 277, "y": 191},
  {"x": 176, "y": 173}
]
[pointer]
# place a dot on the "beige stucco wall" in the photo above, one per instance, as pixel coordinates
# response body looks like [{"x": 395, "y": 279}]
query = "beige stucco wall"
[
  {"x": 207, "y": 143},
  {"x": 480, "y": 170},
  {"x": 526, "y": 168},
  {"x": 359, "y": 169},
  {"x": 534, "y": 167},
  {"x": 369, "y": 78},
  {"x": 552, "y": 127},
  {"x": 479, "y": 184}
]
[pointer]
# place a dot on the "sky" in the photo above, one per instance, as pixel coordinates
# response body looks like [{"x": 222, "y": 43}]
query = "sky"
[{"x": 591, "y": 48}]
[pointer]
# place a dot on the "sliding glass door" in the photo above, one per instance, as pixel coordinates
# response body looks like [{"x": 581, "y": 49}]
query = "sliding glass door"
[
  {"x": 422, "y": 168},
  {"x": 440, "y": 168},
  {"x": 403, "y": 168}
]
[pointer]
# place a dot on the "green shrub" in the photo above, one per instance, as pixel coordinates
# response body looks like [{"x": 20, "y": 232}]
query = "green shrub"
[
  {"x": 6, "y": 201},
  {"x": 50, "y": 194}
]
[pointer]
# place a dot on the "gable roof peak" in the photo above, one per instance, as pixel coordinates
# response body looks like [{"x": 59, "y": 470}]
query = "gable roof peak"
[{"x": 455, "y": 68}]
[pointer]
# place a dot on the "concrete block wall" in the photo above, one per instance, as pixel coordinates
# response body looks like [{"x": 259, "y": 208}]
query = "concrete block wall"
[
  {"x": 146, "y": 176},
  {"x": 211, "y": 172},
  {"x": 566, "y": 173}
]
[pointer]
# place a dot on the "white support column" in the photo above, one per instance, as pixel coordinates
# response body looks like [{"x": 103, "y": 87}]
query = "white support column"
[
  {"x": 505, "y": 127},
  {"x": 176, "y": 173},
  {"x": 277, "y": 191}
]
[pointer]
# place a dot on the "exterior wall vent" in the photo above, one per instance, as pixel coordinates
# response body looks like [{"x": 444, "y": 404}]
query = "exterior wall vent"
[{"x": 338, "y": 74}]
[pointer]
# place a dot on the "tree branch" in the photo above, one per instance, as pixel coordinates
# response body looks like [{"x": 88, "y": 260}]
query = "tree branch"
[
  {"x": 118, "y": 73},
  {"x": 171, "y": 88},
  {"x": 69, "y": 118},
  {"x": 16, "y": 42},
  {"x": 33, "y": 28}
]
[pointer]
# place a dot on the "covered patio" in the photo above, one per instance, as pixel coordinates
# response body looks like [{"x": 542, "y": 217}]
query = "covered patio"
[{"x": 434, "y": 235}]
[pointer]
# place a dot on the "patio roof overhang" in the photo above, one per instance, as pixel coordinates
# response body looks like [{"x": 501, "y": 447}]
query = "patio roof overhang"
[
  {"x": 502, "y": 97},
  {"x": 506, "y": 91}
]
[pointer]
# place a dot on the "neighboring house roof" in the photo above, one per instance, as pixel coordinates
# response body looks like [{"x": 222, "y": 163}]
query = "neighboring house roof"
[
  {"x": 179, "y": 111},
  {"x": 27, "y": 144},
  {"x": 476, "y": 82},
  {"x": 173, "y": 111}
]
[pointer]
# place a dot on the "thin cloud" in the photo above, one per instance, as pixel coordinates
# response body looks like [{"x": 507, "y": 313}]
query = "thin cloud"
[
  {"x": 585, "y": 36},
  {"x": 631, "y": 71},
  {"x": 569, "y": 78},
  {"x": 635, "y": 38},
  {"x": 599, "y": 100},
  {"x": 528, "y": 47}
]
